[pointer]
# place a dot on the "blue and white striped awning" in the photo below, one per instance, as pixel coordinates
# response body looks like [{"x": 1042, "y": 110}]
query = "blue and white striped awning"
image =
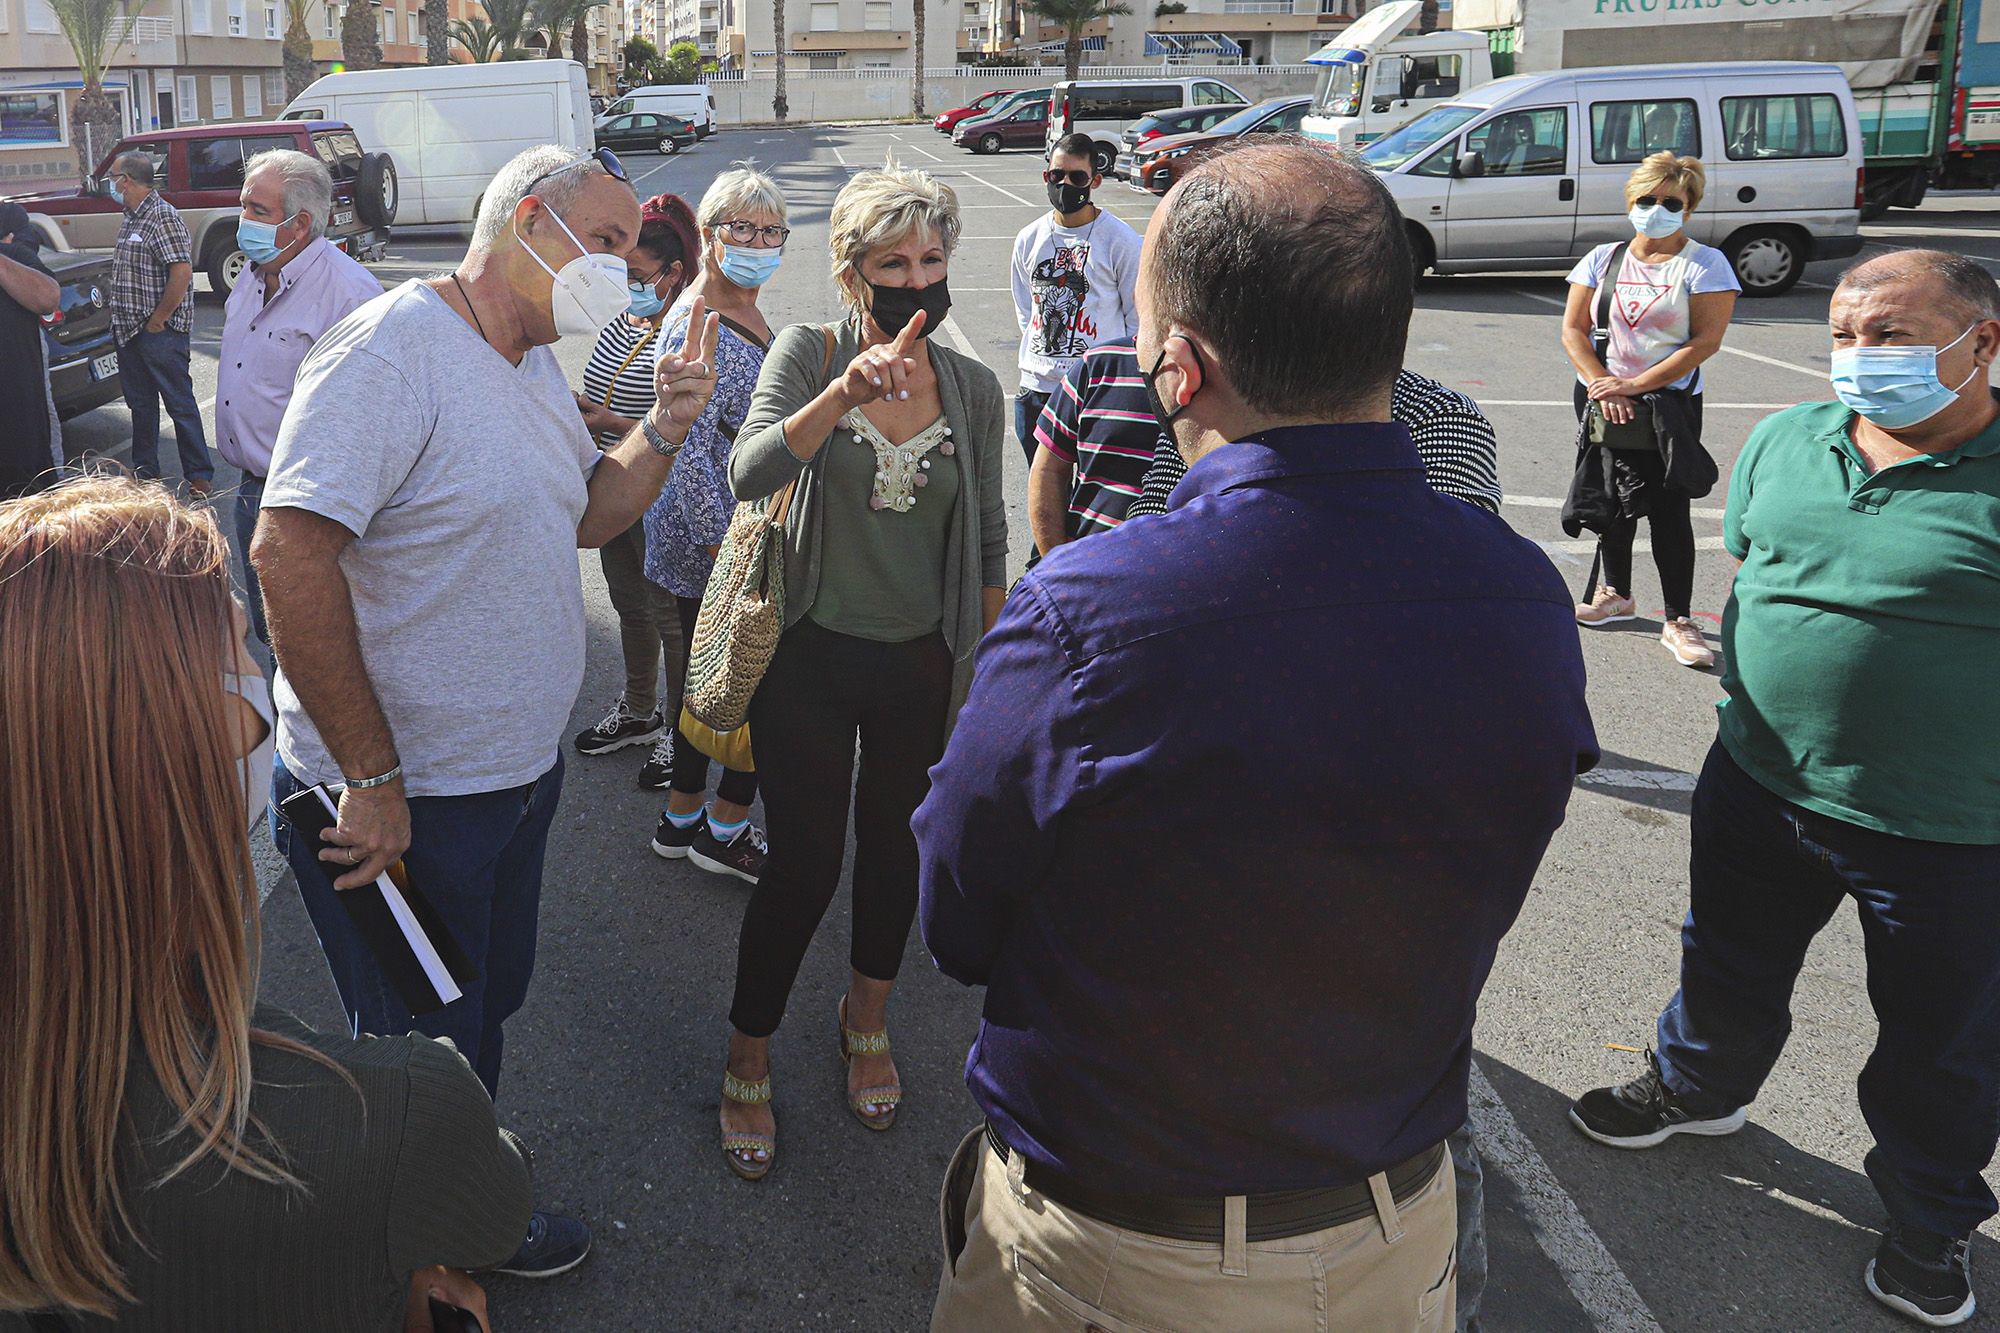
[
  {"x": 1088, "y": 44},
  {"x": 1192, "y": 44}
]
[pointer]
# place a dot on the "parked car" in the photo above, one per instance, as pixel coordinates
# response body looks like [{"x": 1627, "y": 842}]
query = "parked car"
[
  {"x": 1168, "y": 158},
  {"x": 83, "y": 356},
  {"x": 1016, "y": 124},
  {"x": 647, "y": 133},
  {"x": 1140, "y": 134},
  {"x": 689, "y": 101},
  {"x": 1103, "y": 108},
  {"x": 978, "y": 106},
  {"x": 200, "y": 172}
]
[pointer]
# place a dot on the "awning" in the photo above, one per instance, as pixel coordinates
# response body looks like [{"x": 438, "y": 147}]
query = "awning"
[
  {"x": 1087, "y": 44},
  {"x": 1192, "y": 44}
]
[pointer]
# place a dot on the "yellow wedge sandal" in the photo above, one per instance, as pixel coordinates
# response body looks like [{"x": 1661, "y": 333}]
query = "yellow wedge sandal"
[
  {"x": 745, "y": 1093},
  {"x": 854, "y": 1043}
]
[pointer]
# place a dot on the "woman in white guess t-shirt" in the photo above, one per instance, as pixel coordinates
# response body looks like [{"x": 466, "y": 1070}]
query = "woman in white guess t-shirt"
[{"x": 1671, "y": 302}]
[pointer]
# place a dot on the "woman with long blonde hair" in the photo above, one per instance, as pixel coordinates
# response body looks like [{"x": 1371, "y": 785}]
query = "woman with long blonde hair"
[{"x": 172, "y": 1154}]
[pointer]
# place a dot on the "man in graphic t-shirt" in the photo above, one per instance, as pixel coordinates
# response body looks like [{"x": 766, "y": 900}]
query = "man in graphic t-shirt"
[{"x": 1074, "y": 272}]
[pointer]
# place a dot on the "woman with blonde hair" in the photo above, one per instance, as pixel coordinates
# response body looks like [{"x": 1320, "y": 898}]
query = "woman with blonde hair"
[
  {"x": 173, "y": 1155},
  {"x": 895, "y": 565},
  {"x": 1670, "y": 302}
]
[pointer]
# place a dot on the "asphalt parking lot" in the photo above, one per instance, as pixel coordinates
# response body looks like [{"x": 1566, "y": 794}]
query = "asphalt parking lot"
[{"x": 613, "y": 1066}]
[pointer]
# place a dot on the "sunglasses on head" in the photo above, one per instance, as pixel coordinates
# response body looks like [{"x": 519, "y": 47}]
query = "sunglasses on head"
[
  {"x": 1080, "y": 179},
  {"x": 603, "y": 157},
  {"x": 1671, "y": 205}
]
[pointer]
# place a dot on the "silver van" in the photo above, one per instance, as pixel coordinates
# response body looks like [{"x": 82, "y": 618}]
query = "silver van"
[
  {"x": 1529, "y": 172},
  {"x": 1102, "y": 108}
]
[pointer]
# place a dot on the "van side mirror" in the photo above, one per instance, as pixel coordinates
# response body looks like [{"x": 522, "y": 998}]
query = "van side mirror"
[
  {"x": 1379, "y": 107},
  {"x": 1469, "y": 164}
]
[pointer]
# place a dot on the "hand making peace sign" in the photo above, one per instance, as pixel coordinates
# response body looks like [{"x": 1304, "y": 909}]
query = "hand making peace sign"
[
  {"x": 685, "y": 381},
  {"x": 883, "y": 371}
]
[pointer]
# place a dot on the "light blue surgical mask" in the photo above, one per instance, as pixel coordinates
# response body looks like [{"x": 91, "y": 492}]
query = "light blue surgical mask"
[
  {"x": 1655, "y": 223},
  {"x": 1895, "y": 387},
  {"x": 646, "y": 302},
  {"x": 259, "y": 240},
  {"x": 750, "y": 266}
]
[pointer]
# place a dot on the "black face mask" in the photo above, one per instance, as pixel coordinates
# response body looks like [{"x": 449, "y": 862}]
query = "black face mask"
[
  {"x": 1068, "y": 198},
  {"x": 892, "y": 307},
  {"x": 1151, "y": 374}
]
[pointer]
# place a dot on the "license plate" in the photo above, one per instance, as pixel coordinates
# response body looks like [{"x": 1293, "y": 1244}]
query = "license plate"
[
  {"x": 343, "y": 217},
  {"x": 104, "y": 367}
]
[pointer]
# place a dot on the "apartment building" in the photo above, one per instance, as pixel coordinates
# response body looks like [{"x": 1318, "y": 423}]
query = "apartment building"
[
  {"x": 399, "y": 27},
  {"x": 1256, "y": 32},
  {"x": 841, "y": 34},
  {"x": 697, "y": 21}
]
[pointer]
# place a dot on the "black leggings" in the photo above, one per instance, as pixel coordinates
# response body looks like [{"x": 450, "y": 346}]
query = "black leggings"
[
  {"x": 690, "y": 764},
  {"x": 1668, "y": 518},
  {"x": 822, "y": 691}
]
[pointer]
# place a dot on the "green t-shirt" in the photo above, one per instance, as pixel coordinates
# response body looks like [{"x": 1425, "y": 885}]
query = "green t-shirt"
[
  {"x": 1862, "y": 634},
  {"x": 881, "y": 570}
]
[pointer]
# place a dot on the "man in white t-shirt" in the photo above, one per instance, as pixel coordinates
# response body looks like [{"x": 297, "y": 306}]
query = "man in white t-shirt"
[{"x": 1074, "y": 273}]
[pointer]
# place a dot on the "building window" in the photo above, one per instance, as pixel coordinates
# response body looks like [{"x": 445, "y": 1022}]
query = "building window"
[
  {"x": 31, "y": 120},
  {"x": 200, "y": 18},
  {"x": 274, "y": 89},
  {"x": 271, "y": 21},
  {"x": 253, "y": 95},
  {"x": 188, "y": 108},
  {"x": 333, "y": 21},
  {"x": 878, "y": 17},
  {"x": 825, "y": 17},
  {"x": 221, "y": 106},
  {"x": 822, "y": 60},
  {"x": 388, "y": 25},
  {"x": 42, "y": 17},
  {"x": 238, "y": 26}
]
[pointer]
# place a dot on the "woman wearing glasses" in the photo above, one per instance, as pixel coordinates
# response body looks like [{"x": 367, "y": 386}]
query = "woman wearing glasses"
[
  {"x": 1670, "y": 303},
  {"x": 743, "y": 233},
  {"x": 895, "y": 564},
  {"x": 617, "y": 392}
]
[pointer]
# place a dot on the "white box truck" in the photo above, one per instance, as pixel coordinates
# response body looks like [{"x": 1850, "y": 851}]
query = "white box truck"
[{"x": 449, "y": 128}]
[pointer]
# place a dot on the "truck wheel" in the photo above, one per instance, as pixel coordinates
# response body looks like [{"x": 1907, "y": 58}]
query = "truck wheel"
[
  {"x": 1103, "y": 157},
  {"x": 224, "y": 265},
  {"x": 1767, "y": 260},
  {"x": 375, "y": 190},
  {"x": 989, "y": 144}
]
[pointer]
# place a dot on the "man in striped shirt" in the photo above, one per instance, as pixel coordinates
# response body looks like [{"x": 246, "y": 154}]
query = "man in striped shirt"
[{"x": 1095, "y": 440}]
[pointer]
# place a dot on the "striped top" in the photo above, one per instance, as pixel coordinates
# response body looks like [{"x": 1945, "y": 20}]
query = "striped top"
[
  {"x": 1453, "y": 437},
  {"x": 1099, "y": 422},
  {"x": 632, "y": 396}
]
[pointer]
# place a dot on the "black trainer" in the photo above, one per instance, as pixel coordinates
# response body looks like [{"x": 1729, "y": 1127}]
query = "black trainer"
[
  {"x": 672, "y": 841},
  {"x": 743, "y": 855},
  {"x": 619, "y": 728},
  {"x": 657, "y": 773},
  {"x": 1644, "y": 1112},
  {"x": 1923, "y": 1275},
  {"x": 555, "y": 1244}
]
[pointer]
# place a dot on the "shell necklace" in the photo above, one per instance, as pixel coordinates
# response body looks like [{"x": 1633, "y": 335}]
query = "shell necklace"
[{"x": 899, "y": 468}]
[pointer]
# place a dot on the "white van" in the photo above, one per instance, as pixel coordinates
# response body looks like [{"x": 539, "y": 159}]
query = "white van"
[
  {"x": 1529, "y": 172},
  {"x": 690, "y": 101},
  {"x": 1102, "y": 108},
  {"x": 451, "y": 127}
]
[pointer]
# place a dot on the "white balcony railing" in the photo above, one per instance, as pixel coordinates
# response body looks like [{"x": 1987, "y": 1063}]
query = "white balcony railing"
[
  {"x": 140, "y": 30},
  {"x": 1256, "y": 6}
]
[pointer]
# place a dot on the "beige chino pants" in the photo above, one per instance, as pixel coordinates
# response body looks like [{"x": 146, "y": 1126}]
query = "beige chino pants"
[{"x": 1029, "y": 1263}]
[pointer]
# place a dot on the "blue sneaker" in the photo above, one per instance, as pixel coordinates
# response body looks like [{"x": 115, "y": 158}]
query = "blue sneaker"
[{"x": 554, "y": 1245}]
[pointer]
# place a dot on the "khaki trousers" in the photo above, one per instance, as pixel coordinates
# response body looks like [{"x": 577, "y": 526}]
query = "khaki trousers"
[
  {"x": 649, "y": 625},
  {"x": 1029, "y": 1263}
]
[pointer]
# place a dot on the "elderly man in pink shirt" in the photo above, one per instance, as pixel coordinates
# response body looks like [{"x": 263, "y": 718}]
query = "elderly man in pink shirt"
[{"x": 297, "y": 287}]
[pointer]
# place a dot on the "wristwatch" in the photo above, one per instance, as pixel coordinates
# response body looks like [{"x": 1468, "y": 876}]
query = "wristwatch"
[{"x": 661, "y": 445}]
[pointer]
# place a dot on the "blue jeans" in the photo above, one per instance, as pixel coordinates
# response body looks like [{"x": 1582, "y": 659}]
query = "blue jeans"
[
  {"x": 249, "y": 503},
  {"x": 1028, "y": 407},
  {"x": 1766, "y": 876},
  {"x": 1471, "y": 1176},
  {"x": 154, "y": 366},
  {"x": 479, "y": 861}
]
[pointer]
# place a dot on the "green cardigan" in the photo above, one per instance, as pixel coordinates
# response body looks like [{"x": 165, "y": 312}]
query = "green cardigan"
[{"x": 761, "y": 463}]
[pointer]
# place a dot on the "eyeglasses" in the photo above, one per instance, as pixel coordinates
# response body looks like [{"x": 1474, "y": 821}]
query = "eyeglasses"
[
  {"x": 1078, "y": 178},
  {"x": 1671, "y": 205},
  {"x": 742, "y": 231},
  {"x": 603, "y": 157}
]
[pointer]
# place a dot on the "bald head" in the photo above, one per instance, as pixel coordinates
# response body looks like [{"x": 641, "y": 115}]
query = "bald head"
[
  {"x": 1949, "y": 284},
  {"x": 1292, "y": 264}
]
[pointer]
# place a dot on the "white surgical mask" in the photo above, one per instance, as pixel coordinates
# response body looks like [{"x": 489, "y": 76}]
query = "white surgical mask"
[
  {"x": 253, "y": 771},
  {"x": 589, "y": 292},
  {"x": 1896, "y": 387},
  {"x": 1655, "y": 223}
]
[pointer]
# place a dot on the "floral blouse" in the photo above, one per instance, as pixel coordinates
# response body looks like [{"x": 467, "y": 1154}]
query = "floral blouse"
[{"x": 694, "y": 507}]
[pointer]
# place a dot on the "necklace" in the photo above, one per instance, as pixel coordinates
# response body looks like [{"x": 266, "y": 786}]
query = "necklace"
[
  {"x": 899, "y": 468},
  {"x": 471, "y": 309}
]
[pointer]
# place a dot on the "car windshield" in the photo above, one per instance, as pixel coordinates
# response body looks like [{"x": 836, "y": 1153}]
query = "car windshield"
[
  {"x": 1393, "y": 150},
  {"x": 1241, "y": 122},
  {"x": 1338, "y": 89}
]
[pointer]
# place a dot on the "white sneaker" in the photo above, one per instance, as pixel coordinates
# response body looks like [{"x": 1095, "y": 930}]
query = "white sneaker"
[
  {"x": 1683, "y": 639},
  {"x": 1607, "y": 608}
]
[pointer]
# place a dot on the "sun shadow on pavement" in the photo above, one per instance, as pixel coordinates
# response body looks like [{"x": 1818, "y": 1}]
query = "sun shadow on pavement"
[{"x": 1641, "y": 782}]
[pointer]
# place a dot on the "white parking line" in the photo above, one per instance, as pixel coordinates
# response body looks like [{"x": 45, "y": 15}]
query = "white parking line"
[
  {"x": 1567, "y": 405},
  {"x": 1557, "y": 502},
  {"x": 1586, "y": 545},
  {"x": 1817, "y": 374},
  {"x": 957, "y": 337},
  {"x": 1003, "y": 190},
  {"x": 1594, "y": 1277},
  {"x": 918, "y": 148},
  {"x": 836, "y": 154}
]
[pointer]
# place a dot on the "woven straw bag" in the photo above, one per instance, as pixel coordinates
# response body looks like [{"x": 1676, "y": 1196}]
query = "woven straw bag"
[{"x": 743, "y": 607}]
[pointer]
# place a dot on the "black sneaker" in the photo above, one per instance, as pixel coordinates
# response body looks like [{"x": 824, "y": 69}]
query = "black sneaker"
[
  {"x": 672, "y": 841},
  {"x": 554, "y": 1245},
  {"x": 619, "y": 728},
  {"x": 1923, "y": 1275},
  {"x": 657, "y": 773},
  {"x": 1644, "y": 1112},
  {"x": 742, "y": 857}
]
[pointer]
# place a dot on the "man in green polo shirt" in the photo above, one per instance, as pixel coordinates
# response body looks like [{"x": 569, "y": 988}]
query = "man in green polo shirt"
[{"x": 1859, "y": 757}]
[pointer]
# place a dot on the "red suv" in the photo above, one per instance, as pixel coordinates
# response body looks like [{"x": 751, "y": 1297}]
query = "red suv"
[{"x": 200, "y": 172}]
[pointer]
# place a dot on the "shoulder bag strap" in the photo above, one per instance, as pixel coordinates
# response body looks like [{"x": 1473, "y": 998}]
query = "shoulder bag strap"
[
  {"x": 783, "y": 501},
  {"x": 1601, "y": 325}
]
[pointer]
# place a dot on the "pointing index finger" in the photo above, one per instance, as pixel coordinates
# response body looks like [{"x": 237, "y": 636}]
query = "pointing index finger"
[{"x": 906, "y": 341}]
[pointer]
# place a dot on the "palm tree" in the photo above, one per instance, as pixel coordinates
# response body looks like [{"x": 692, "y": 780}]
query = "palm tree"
[
  {"x": 917, "y": 58},
  {"x": 1074, "y": 15},
  {"x": 579, "y": 33},
  {"x": 360, "y": 38},
  {"x": 553, "y": 16},
  {"x": 778, "y": 104},
  {"x": 437, "y": 33},
  {"x": 506, "y": 20},
  {"x": 90, "y": 26},
  {"x": 298, "y": 47},
  {"x": 479, "y": 38}
]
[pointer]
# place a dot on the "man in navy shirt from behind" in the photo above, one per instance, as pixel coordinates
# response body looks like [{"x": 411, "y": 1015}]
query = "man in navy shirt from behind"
[{"x": 1217, "y": 1064}]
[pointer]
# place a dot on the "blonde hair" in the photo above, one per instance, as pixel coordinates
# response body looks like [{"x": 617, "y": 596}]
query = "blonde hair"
[
  {"x": 884, "y": 207},
  {"x": 128, "y": 906},
  {"x": 739, "y": 192},
  {"x": 1685, "y": 174}
]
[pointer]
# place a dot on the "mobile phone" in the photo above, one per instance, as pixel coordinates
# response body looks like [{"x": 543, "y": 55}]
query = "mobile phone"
[{"x": 451, "y": 1319}]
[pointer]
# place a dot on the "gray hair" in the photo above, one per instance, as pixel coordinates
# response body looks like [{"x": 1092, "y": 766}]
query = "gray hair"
[
  {"x": 884, "y": 207},
  {"x": 1966, "y": 282},
  {"x": 739, "y": 192},
  {"x": 511, "y": 185},
  {"x": 307, "y": 183},
  {"x": 134, "y": 166}
]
